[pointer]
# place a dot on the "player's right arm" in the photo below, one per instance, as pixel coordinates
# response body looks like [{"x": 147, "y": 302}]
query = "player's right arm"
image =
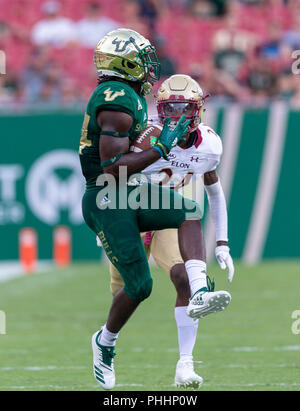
[{"x": 114, "y": 151}]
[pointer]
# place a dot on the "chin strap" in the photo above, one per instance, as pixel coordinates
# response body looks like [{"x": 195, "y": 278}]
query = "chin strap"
[{"x": 146, "y": 88}]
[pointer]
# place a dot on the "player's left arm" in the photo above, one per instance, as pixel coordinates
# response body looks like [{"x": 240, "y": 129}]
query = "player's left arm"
[{"x": 218, "y": 209}]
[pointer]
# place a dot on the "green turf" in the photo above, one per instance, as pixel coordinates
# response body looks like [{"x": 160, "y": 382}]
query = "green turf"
[{"x": 50, "y": 318}]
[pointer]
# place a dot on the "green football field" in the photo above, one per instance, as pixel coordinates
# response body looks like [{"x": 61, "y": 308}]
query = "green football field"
[{"x": 50, "y": 319}]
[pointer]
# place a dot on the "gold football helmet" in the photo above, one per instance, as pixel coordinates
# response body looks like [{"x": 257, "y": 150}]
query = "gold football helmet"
[
  {"x": 128, "y": 55},
  {"x": 180, "y": 94}
]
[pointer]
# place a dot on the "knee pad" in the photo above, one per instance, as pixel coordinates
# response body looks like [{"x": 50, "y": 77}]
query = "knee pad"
[
  {"x": 134, "y": 269},
  {"x": 140, "y": 290},
  {"x": 145, "y": 289}
]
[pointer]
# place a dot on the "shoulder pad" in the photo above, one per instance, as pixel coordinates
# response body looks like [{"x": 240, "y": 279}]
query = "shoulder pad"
[
  {"x": 211, "y": 142},
  {"x": 117, "y": 96}
]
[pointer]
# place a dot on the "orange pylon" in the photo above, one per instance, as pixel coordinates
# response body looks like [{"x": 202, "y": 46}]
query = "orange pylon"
[
  {"x": 28, "y": 249},
  {"x": 62, "y": 246}
]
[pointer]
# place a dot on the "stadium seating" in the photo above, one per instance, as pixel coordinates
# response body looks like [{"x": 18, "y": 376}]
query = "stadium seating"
[{"x": 187, "y": 39}]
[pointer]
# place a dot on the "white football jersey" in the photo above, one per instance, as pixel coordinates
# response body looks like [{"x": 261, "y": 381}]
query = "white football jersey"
[{"x": 186, "y": 164}]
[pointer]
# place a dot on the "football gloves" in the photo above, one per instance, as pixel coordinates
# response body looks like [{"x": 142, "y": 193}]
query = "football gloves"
[
  {"x": 224, "y": 259},
  {"x": 170, "y": 137}
]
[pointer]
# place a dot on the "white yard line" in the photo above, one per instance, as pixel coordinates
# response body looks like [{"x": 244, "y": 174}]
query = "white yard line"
[
  {"x": 10, "y": 270},
  {"x": 162, "y": 386},
  {"x": 256, "y": 349},
  {"x": 44, "y": 368},
  {"x": 198, "y": 364}
]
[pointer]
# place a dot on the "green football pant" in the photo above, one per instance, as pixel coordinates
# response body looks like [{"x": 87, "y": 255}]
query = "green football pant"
[{"x": 152, "y": 207}]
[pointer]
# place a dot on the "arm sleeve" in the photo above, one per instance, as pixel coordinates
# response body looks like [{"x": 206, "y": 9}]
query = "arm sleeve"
[{"x": 218, "y": 209}]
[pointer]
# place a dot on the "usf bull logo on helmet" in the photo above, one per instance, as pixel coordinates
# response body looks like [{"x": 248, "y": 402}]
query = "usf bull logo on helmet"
[
  {"x": 128, "y": 55},
  {"x": 180, "y": 94}
]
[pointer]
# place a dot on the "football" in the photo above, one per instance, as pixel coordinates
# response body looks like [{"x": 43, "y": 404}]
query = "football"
[{"x": 146, "y": 139}]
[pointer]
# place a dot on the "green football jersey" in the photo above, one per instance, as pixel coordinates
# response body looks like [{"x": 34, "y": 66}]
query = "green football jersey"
[{"x": 110, "y": 95}]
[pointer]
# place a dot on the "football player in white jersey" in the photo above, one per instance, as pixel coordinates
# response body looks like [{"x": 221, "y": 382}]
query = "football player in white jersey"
[{"x": 198, "y": 155}]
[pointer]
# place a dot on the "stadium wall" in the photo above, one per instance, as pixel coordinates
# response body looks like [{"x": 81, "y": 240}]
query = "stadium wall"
[{"x": 41, "y": 183}]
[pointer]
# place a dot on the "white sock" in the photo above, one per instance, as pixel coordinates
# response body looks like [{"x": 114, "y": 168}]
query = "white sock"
[
  {"x": 187, "y": 333},
  {"x": 107, "y": 338},
  {"x": 196, "y": 271}
]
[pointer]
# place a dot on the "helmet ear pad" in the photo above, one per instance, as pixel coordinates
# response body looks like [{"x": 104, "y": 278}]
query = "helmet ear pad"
[{"x": 128, "y": 64}]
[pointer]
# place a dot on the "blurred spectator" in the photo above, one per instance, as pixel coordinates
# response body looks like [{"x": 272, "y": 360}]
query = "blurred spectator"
[
  {"x": 251, "y": 2},
  {"x": 262, "y": 81},
  {"x": 230, "y": 49},
  {"x": 149, "y": 11},
  {"x": 32, "y": 78},
  {"x": 53, "y": 29},
  {"x": 42, "y": 79},
  {"x": 232, "y": 36},
  {"x": 291, "y": 37},
  {"x": 168, "y": 65},
  {"x": 130, "y": 12},
  {"x": 286, "y": 85},
  {"x": 295, "y": 100},
  {"x": 242, "y": 49},
  {"x": 230, "y": 61},
  {"x": 9, "y": 89},
  {"x": 206, "y": 8},
  {"x": 232, "y": 45},
  {"x": 94, "y": 26},
  {"x": 271, "y": 48},
  {"x": 12, "y": 30},
  {"x": 5, "y": 32},
  {"x": 51, "y": 90},
  {"x": 221, "y": 86}
]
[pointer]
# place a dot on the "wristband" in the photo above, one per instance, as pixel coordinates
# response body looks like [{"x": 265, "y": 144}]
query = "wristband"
[
  {"x": 163, "y": 149},
  {"x": 159, "y": 150}
]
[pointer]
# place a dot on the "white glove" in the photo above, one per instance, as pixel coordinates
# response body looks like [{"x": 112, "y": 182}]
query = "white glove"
[
  {"x": 224, "y": 259},
  {"x": 99, "y": 242}
]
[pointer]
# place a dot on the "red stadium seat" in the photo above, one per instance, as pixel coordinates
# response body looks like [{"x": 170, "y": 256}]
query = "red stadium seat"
[{"x": 187, "y": 39}]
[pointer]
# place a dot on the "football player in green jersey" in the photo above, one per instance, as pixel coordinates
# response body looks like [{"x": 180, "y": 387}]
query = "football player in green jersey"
[{"x": 127, "y": 67}]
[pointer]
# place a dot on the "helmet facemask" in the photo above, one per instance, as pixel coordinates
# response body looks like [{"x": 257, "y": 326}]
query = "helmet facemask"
[
  {"x": 176, "y": 106},
  {"x": 150, "y": 62},
  {"x": 180, "y": 95},
  {"x": 151, "y": 65}
]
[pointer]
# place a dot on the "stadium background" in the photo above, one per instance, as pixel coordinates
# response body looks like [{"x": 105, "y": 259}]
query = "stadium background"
[{"x": 241, "y": 53}]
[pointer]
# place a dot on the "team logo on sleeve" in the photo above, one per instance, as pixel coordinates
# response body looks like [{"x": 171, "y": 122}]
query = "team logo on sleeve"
[{"x": 112, "y": 95}]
